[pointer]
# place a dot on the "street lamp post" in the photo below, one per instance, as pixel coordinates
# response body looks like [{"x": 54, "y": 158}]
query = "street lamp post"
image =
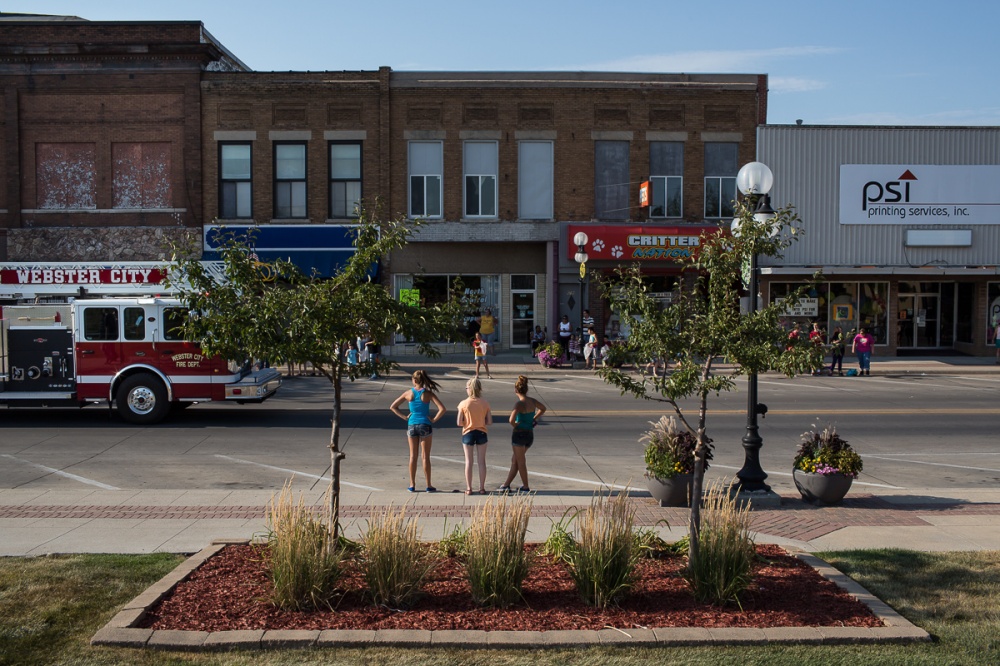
[
  {"x": 754, "y": 180},
  {"x": 580, "y": 240}
]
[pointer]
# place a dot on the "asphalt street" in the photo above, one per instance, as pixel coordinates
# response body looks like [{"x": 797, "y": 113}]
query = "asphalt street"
[{"x": 933, "y": 431}]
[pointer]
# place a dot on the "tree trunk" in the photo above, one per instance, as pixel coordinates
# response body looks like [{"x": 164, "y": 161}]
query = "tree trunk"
[
  {"x": 697, "y": 484},
  {"x": 336, "y": 455}
]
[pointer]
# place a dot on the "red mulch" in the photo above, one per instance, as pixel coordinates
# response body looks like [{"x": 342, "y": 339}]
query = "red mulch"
[{"x": 230, "y": 591}]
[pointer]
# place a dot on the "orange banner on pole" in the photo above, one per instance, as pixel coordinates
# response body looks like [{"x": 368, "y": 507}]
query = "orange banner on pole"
[{"x": 644, "y": 193}]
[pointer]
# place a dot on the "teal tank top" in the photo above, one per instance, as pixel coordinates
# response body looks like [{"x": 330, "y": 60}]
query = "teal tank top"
[
  {"x": 524, "y": 421},
  {"x": 419, "y": 410}
]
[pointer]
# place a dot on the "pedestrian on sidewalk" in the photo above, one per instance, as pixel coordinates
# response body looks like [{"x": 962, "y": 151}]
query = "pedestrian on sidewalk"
[
  {"x": 590, "y": 349},
  {"x": 474, "y": 418},
  {"x": 524, "y": 417},
  {"x": 565, "y": 332},
  {"x": 537, "y": 341},
  {"x": 419, "y": 423},
  {"x": 996, "y": 339},
  {"x": 487, "y": 326},
  {"x": 862, "y": 346},
  {"x": 837, "y": 349},
  {"x": 479, "y": 347}
]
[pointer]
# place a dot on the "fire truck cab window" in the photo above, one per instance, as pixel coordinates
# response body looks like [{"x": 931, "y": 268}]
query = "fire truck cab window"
[
  {"x": 135, "y": 324},
  {"x": 100, "y": 323},
  {"x": 173, "y": 323}
]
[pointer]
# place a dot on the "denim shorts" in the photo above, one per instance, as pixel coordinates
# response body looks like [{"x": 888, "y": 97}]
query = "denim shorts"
[
  {"x": 419, "y": 430},
  {"x": 474, "y": 437},
  {"x": 523, "y": 438}
]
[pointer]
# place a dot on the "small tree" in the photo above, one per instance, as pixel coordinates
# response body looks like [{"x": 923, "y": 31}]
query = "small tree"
[
  {"x": 704, "y": 324},
  {"x": 274, "y": 311}
]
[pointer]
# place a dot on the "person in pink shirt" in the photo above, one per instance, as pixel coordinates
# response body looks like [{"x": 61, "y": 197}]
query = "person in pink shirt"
[
  {"x": 474, "y": 417},
  {"x": 862, "y": 346}
]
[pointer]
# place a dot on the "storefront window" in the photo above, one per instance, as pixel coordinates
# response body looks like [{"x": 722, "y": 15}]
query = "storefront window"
[
  {"x": 849, "y": 305},
  {"x": 992, "y": 310},
  {"x": 478, "y": 292}
]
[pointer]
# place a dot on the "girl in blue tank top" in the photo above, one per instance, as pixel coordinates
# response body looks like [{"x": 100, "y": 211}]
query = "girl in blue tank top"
[{"x": 418, "y": 423}]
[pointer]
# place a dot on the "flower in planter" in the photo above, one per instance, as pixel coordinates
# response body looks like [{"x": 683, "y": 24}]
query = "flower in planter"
[
  {"x": 824, "y": 452},
  {"x": 551, "y": 355},
  {"x": 670, "y": 449}
]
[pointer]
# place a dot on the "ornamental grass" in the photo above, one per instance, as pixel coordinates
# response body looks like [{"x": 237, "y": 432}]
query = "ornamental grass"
[
  {"x": 395, "y": 562},
  {"x": 496, "y": 562},
  {"x": 305, "y": 560},
  {"x": 723, "y": 568},
  {"x": 603, "y": 560}
]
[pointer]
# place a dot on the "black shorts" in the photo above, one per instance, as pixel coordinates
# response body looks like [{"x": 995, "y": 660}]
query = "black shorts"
[{"x": 523, "y": 438}]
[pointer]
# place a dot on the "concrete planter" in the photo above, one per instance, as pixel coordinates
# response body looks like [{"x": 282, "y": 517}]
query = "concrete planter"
[
  {"x": 821, "y": 488},
  {"x": 675, "y": 491}
]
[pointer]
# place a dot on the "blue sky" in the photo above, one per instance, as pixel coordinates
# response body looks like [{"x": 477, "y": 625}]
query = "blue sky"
[{"x": 848, "y": 62}]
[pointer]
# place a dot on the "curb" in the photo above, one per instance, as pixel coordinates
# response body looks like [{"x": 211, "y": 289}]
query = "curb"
[{"x": 121, "y": 631}]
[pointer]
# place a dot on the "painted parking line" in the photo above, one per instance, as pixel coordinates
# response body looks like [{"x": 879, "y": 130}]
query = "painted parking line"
[
  {"x": 599, "y": 484},
  {"x": 789, "y": 412},
  {"x": 59, "y": 472},
  {"x": 295, "y": 472},
  {"x": 798, "y": 386},
  {"x": 860, "y": 483}
]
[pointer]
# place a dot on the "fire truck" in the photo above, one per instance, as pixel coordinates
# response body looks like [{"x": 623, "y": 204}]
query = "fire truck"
[{"x": 127, "y": 353}]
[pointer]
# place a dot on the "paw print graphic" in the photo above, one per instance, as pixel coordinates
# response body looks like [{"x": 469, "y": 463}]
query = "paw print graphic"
[
  {"x": 598, "y": 245},
  {"x": 616, "y": 252}
]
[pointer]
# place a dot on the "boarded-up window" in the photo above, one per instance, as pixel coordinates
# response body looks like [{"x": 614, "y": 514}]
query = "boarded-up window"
[
  {"x": 141, "y": 175},
  {"x": 65, "y": 175},
  {"x": 611, "y": 180}
]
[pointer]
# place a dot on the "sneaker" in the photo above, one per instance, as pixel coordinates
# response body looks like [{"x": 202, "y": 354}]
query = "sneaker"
[{"x": 503, "y": 489}]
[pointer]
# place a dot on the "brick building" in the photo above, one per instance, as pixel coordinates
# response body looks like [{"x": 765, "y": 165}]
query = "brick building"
[
  {"x": 100, "y": 137},
  {"x": 503, "y": 166},
  {"x": 118, "y": 136}
]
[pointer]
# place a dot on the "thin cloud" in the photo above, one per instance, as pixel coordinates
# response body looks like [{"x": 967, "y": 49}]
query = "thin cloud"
[
  {"x": 708, "y": 61},
  {"x": 950, "y": 117}
]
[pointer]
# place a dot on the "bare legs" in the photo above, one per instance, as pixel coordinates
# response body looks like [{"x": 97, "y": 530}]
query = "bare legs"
[
  {"x": 518, "y": 465},
  {"x": 481, "y": 362},
  {"x": 420, "y": 446},
  {"x": 470, "y": 452}
]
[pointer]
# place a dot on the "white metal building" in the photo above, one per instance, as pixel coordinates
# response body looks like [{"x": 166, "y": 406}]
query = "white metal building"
[{"x": 903, "y": 222}]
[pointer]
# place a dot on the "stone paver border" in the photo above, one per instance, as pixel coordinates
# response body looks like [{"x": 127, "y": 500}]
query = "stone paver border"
[{"x": 122, "y": 632}]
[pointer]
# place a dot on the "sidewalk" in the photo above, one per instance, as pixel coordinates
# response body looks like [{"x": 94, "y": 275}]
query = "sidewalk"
[
  {"x": 37, "y": 522},
  {"x": 514, "y": 362}
]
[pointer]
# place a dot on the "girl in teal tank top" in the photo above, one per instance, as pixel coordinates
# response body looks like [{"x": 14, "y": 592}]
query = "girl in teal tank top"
[{"x": 523, "y": 418}]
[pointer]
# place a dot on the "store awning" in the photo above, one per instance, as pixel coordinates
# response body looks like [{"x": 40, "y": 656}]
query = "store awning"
[{"x": 319, "y": 248}]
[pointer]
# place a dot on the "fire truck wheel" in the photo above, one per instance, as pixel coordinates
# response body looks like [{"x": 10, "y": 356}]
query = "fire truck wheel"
[{"x": 142, "y": 399}]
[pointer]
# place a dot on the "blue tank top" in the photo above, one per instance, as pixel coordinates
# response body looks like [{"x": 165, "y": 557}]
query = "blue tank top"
[
  {"x": 419, "y": 409},
  {"x": 524, "y": 421}
]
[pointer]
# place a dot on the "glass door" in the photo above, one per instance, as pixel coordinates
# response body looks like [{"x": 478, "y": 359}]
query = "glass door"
[
  {"x": 918, "y": 321},
  {"x": 927, "y": 319},
  {"x": 904, "y": 326},
  {"x": 522, "y": 315}
]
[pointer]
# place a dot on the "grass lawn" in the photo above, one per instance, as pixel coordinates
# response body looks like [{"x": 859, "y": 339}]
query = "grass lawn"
[{"x": 50, "y": 607}]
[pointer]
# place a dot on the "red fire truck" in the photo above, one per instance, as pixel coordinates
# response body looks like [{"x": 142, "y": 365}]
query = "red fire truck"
[{"x": 126, "y": 352}]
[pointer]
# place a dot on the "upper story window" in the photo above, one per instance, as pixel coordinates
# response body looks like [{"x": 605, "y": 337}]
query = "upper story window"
[
  {"x": 426, "y": 169},
  {"x": 289, "y": 180},
  {"x": 345, "y": 179},
  {"x": 480, "y": 178},
  {"x": 235, "y": 191},
  {"x": 65, "y": 175},
  {"x": 141, "y": 175},
  {"x": 720, "y": 179},
  {"x": 535, "y": 183},
  {"x": 666, "y": 176},
  {"x": 611, "y": 180}
]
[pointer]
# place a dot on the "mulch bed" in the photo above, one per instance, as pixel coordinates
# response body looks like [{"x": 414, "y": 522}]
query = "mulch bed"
[{"x": 230, "y": 592}]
